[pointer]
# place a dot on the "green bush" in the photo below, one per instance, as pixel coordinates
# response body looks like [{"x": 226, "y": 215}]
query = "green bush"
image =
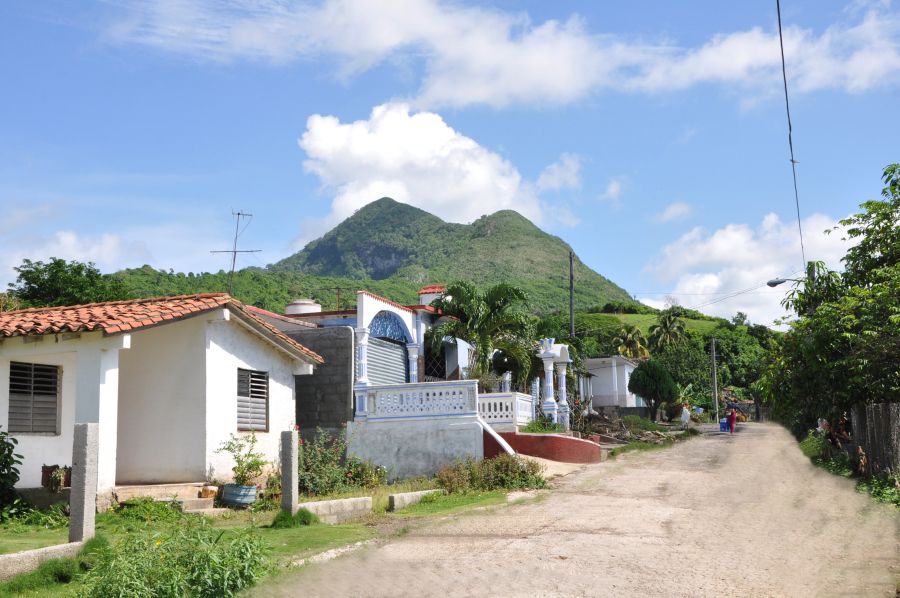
[
  {"x": 248, "y": 464},
  {"x": 542, "y": 425},
  {"x": 9, "y": 474},
  {"x": 146, "y": 510},
  {"x": 301, "y": 518},
  {"x": 813, "y": 446},
  {"x": 502, "y": 472},
  {"x": 636, "y": 423},
  {"x": 188, "y": 560},
  {"x": 323, "y": 469},
  {"x": 883, "y": 488},
  {"x": 52, "y": 518}
]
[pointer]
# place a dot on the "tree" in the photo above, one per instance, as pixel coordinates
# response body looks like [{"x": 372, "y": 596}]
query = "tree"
[
  {"x": 688, "y": 364},
  {"x": 59, "y": 282},
  {"x": 489, "y": 320},
  {"x": 652, "y": 382},
  {"x": 630, "y": 342},
  {"x": 669, "y": 330}
]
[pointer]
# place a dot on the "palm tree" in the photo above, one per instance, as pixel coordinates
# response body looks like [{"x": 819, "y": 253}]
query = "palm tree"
[
  {"x": 669, "y": 330},
  {"x": 490, "y": 320},
  {"x": 631, "y": 342}
]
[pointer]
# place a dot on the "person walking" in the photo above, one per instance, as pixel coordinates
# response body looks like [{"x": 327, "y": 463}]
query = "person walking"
[{"x": 732, "y": 420}]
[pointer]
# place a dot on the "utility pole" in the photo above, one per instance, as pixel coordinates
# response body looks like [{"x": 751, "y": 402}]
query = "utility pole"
[
  {"x": 715, "y": 381},
  {"x": 571, "y": 294},
  {"x": 234, "y": 250}
]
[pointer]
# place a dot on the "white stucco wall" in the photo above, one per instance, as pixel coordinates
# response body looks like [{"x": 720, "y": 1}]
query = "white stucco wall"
[
  {"x": 161, "y": 419},
  {"x": 41, "y": 449},
  {"x": 230, "y": 346}
]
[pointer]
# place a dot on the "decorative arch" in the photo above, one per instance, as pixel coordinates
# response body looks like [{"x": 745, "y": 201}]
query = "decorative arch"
[{"x": 388, "y": 326}]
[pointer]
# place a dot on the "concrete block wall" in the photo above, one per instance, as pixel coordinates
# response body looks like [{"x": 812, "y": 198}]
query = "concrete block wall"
[
  {"x": 338, "y": 511},
  {"x": 325, "y": 399},
  {"x": 408, "y": 499}
]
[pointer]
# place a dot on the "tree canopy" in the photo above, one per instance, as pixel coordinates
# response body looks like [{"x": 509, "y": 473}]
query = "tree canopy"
[
  {"x": 59, "y": 282},
  {"x": 651, "y": 380}
]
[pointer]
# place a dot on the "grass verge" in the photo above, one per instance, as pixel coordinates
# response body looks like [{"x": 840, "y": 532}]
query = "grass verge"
[
  {"x": 445, "y": 504},
  {"x": 638, "y": 445}
]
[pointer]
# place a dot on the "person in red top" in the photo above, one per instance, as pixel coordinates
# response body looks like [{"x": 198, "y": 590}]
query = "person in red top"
[{"x": 732, "y": 420}]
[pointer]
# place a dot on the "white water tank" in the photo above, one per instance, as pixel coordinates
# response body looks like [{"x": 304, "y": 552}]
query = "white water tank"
[{"x": 302, "y": 306}]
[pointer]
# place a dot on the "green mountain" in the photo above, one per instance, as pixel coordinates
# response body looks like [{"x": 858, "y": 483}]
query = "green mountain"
[
  {"x": 390, "y": 241},
  {"x": 393, "y": 249}
]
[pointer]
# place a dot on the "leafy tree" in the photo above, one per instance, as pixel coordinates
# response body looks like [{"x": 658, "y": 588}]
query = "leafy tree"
[
  {"x": 489, "y": 320},
  {"x": 669, "y": 330},
  {"x": 630, "y": 342},
  {"x": 688, "y": 364},
  {"x": 652, "y": 382},
  {"x": 59, "y": 282}
]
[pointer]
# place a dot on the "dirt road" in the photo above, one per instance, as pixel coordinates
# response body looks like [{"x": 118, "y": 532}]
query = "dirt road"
[{"x": 741, "y": 515}]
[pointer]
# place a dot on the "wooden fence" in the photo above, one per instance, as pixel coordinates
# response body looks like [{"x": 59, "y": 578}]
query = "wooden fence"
[{"x": 876, "y": 428}]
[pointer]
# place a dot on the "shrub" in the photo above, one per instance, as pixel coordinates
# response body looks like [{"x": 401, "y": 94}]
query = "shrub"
[
  {"x": 320, "y": 464},
  {"x": 9, "y": 472},
  {"x": 636, "y": 423},
  {"x": 53, "y": 518},
  {"x": 146, "y": 510},
  {"x": 501, "y": 472},
  {"x": 190, "y": 560},
  {"x": 301, "y": 518},
  {"x": 248, "y": 464},
  {"x": 542, "y": 425},
  {"x": 813, "y": 446},
  {"x": 884, "y": 488},
  {"x": 365, "y": 474}
]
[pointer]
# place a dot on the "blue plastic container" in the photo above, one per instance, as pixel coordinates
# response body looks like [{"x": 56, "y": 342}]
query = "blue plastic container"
[
  {"x": 723, "y": 425},
  {"x": 238, "y": 496}
]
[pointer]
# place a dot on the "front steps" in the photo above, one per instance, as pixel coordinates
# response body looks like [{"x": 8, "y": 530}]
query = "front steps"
[{"x": 188, "y": 494}]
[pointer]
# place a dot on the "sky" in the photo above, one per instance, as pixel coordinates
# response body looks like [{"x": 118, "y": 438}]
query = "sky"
[{"x": 650, "y": 136}]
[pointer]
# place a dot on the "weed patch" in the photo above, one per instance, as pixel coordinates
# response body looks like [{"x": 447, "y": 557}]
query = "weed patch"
[
  {"x": 508, "y": 472},
  {"x": 638, "y": 445},
  {"x": 284, "y": 520},
  {"x": 636, "y": 423},
  {"x": 542, "y": 425}
]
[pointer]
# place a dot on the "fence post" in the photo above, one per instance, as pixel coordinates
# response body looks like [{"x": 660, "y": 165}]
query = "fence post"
[
  {"x": 289, "y": 474},
  {"x": 83, "y": 495}
]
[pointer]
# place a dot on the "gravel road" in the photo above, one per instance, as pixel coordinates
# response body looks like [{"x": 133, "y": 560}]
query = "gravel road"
[{"x": 720, "y": 515}]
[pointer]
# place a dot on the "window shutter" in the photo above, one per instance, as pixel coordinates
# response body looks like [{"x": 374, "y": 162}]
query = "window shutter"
[
  {"x": 253, "y": 401},
  {"x": 33, "y": 397}
]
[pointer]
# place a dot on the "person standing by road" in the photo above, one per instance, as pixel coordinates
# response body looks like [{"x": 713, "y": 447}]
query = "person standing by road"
[
  {"x": 732, "y": 420},
  {"x": 685, "y": 416}
]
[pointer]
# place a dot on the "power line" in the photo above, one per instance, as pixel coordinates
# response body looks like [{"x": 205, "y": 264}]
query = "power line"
[{"x": 787, "y": 107}]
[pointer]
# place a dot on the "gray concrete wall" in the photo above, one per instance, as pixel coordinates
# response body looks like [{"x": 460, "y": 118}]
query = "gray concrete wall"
[
  {"x": 396, "y": 502},
  {"x": 325, "y": 399},
  {"x": 27, "y": 561},
  {"x": 340, "y": 510},
  {"x": 414, "y": 447}
]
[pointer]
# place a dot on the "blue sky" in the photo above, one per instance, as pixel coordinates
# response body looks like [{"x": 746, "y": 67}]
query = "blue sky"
[{"x": 651, "y": 137}]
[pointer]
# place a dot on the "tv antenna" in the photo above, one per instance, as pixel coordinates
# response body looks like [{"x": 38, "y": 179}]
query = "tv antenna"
[{"x": 234, "y": 250}]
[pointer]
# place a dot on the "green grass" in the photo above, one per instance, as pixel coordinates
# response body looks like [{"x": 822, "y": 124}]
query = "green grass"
[
  {"x": 445, "y": 504},
  {"x": 642, "y": 424},
  {"x": 637, "y": 445},
  {"x": 645, "y": 321},
  {"x": 56, "y": 576},
  {"x": 15, "y": 539}
]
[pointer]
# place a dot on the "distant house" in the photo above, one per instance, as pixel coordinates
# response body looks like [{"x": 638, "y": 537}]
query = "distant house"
[
  {"x": 167, "y": 379},
  {"x": 387, "y": 337},
  {"x": 609, "y": 378}
]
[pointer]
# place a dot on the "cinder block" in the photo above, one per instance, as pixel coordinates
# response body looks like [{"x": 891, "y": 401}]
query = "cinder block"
[{"x": 407, "y": 499}]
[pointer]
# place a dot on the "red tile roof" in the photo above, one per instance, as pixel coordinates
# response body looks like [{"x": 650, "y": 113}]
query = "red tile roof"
[
  {"x": 433, "y": 288},
  {"x": 125, "y": 316}
]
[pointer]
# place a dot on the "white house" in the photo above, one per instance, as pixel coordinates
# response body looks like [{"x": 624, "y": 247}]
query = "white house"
[
  {"x": 167, "y": 379},
  {"x": 608, "y": 379}
]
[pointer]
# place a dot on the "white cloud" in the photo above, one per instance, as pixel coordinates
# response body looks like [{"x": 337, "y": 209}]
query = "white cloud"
[
  {"x": 564, "y": 174},
  {"x": 673, "y": 211},
  {"x": 488, "y": 56},
  {"x": 417, "y": 158},
  {"x": 707, "y": 267}
]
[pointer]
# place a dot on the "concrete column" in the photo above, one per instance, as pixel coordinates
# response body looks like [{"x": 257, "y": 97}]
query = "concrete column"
[
  {"x": 615, "y": 382},
  {"x": 83, "y": 494},
  {"x": 563, "y": 398},
  {"x": 549, "y": 405},
  {"x": 412, "y": 351},
  {"x": 97, "y": 401},
  {"x": 289, "y": 475},
  {"x": 361, "y": 392},
  {"x": 362, "y": 355}
]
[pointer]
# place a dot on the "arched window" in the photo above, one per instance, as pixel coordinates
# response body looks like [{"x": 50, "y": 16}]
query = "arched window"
[{"x": 388, "y": 326}]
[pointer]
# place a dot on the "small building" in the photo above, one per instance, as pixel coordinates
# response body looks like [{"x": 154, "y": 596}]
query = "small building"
[
  {"x": 608, "y": 379},
  {"x": 167, "y": 380}
]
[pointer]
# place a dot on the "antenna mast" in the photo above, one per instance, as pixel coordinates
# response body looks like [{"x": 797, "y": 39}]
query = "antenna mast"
[{"x": 234, "y": 250}]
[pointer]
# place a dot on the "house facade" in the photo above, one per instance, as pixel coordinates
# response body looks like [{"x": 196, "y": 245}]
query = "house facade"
[
  {"x": 167, "y": 380},
  {"x": 608, "y": 379}
]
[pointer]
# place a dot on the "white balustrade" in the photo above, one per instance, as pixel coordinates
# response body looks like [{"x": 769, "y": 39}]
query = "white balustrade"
[
  {"x": 506, "y": 409},
  {"x": 425, "y": 399}
]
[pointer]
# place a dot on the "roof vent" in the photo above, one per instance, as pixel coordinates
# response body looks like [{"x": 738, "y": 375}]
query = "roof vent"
[{"x": 302, "y": 306}]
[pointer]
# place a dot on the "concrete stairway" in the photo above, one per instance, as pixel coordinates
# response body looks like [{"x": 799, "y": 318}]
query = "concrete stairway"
[{"x": 188, "y": 494}]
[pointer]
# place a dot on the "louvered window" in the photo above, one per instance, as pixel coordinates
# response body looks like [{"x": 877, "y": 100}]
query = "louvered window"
[
  {"x": 253, "y": 400},
  {"x": 33, "y": 397}
]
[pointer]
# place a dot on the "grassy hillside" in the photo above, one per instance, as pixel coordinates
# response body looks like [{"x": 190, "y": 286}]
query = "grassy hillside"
[{"x": 390, "y": 241}]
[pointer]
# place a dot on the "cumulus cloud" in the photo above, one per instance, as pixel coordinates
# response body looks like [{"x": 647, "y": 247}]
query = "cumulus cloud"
[
  {"x": 417, "y": 158},
  {"x": 488, "y": 56},
  {"x": 708, "y": 267},
  {"x": 564, "y": 174},
  {"x": 673, "y": 211}
]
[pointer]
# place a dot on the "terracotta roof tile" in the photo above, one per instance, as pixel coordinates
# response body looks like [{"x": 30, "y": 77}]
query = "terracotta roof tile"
[
  {"x": 433, "y": 288},
  {"x": 121, "y": 316}
]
